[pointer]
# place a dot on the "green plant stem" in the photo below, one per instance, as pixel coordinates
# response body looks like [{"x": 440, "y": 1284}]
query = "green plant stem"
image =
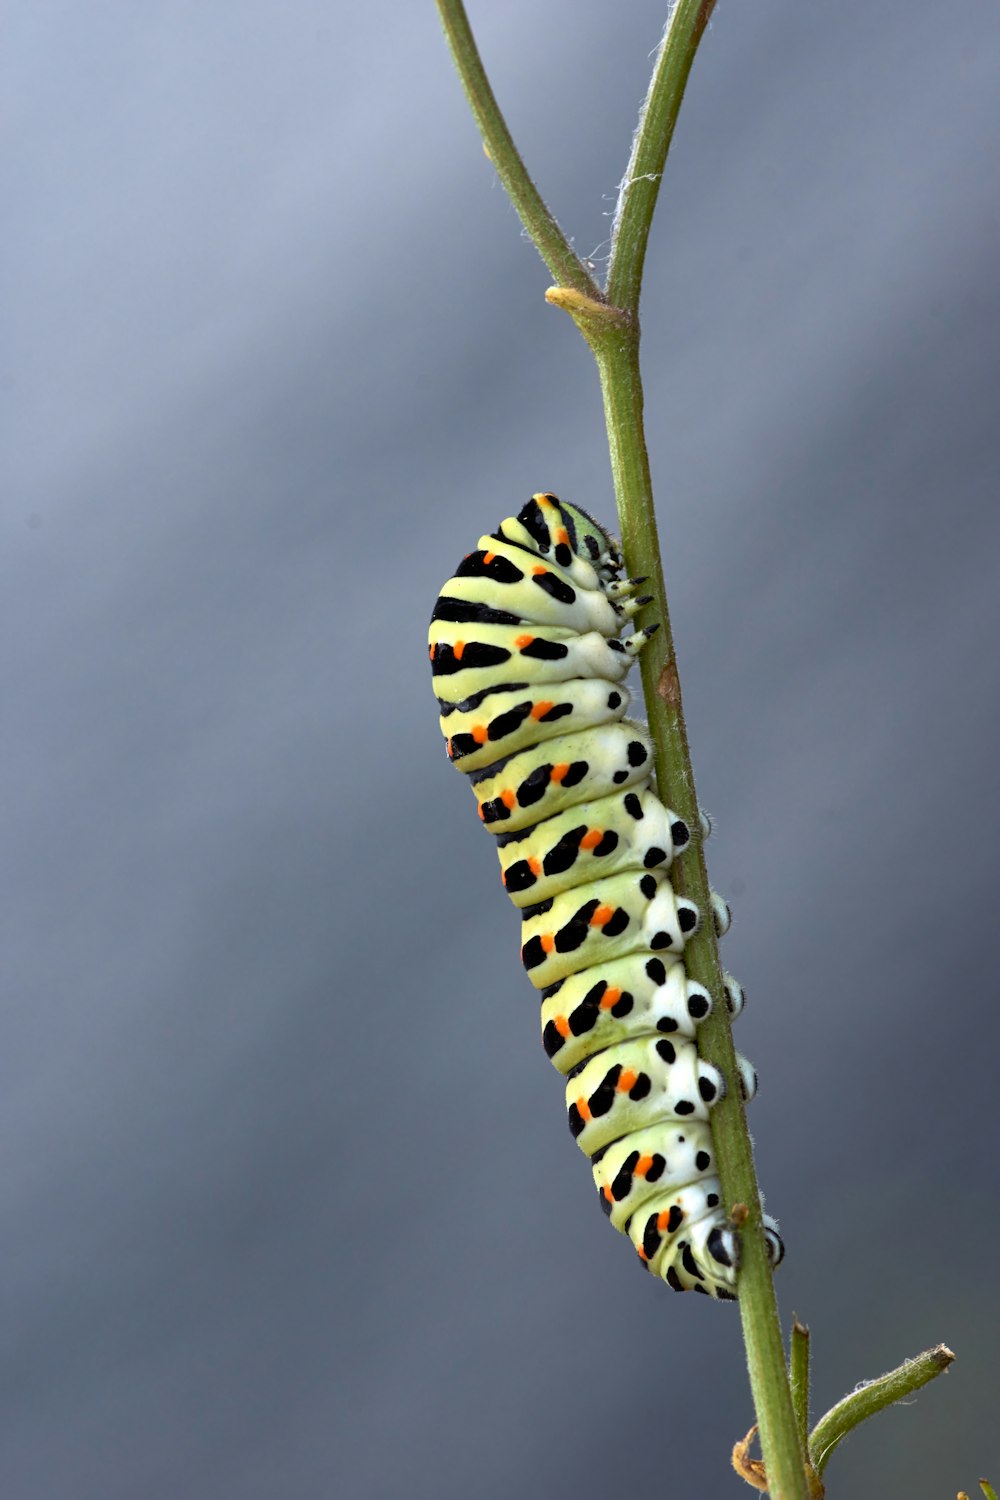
[
  {"x": 639, "y": 187},
  {"x": 874, "y": 1397},
  {"x": 549, "y": 240},
  {"x": 614, "y": 339},
  {"x": 798, "y": 1375},
  {"x": 617, "y": 356}
]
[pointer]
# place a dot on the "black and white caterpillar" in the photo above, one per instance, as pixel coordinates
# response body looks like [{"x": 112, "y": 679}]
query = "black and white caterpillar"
[{"x": 529, "y": 674}]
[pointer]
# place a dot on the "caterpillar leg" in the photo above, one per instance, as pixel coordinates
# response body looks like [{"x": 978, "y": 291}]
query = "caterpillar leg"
[
  {"x": 721, "y": 914},
  {"x": 621, "y": 588},
  {"x": 632, "y": 606},
  {"x": 633, "y": 644}
]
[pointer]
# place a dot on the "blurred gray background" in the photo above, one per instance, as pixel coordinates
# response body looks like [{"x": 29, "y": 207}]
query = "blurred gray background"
[{"x": 289, "y": 1208}]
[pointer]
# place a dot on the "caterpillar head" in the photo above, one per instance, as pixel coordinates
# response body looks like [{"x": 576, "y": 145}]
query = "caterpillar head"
[{"x": 567, "y": 535}]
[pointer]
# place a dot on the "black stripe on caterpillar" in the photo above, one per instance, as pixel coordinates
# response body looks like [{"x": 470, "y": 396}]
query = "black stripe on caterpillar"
[{"x": 529, "y": 668}]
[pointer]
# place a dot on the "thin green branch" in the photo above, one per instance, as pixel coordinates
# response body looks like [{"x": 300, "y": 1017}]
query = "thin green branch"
[
  {"x": 617, "y": 356},
  {"x": 639, "y": 187},
  {"x": 798, "y": 1374},
  {"x": 874, "y": 1397},
  {"x": 550, "y": 242}
]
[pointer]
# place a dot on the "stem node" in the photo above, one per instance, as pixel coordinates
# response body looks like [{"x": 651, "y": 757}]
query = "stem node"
[{"x": 589, "y": 313}]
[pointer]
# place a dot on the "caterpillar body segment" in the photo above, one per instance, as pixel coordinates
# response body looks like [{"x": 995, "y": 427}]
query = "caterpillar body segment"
[
  {"x": 634, "y": 911},
  {"x": 588, "y": 841},
  {"x": 489, "y": 727},
  {"x": 646, "y": 1081},
  {"x": 460, "y": 653},
  {"x": 498, "y": 579},
  {"x": 519, "y": 792},
  {"x": 650, "y": 1162},
  {"x": 679, "y": 1237},
  {"x": 642, "y": 994},
  {"x": 529, "y": 647}
]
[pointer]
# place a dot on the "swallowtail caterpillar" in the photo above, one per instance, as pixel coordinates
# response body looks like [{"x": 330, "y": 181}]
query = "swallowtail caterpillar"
[{"x": 529, "y": 665}]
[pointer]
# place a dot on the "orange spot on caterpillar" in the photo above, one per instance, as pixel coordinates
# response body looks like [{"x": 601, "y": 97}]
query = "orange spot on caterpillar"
[
  {"x": 642, "y": 1166},
  {"x": 447, "y": 746},
  {"x": 562, "y": 535},
  {"x": 591, "y": 838},
  {"x": 488, "y": 557},
  {"x": 538, "y": 570},
  {"x": 523, "y": 641},
  {"x": 583, "y": 1109},
  {"x": 662, "y": 1220},
  {"x": 480, "y": 734},
  {"x": 542, "y": 708},
  {"x": 610, "y": 997},
  {"x": 607, "y": 1193},
  {"x": 562, "y": 1026},
  {"x": 558, "y": 772},
  {"x": 548, "y": 942},
  {"x": 481, "y": 811},
  {"x": 433, "y": 649},
  {"x": 602, "y": 916},
  {"x": 627, "y": 1080},
  {"x": 457, "y": 650},
  {"x": 508, "y": 798},
  {"x": 535, "y": 866},
  {"x": 642, "y": 1254}
]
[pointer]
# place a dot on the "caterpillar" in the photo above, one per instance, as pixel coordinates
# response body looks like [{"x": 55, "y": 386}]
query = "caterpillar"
[{"x": 528, "y": 664}]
